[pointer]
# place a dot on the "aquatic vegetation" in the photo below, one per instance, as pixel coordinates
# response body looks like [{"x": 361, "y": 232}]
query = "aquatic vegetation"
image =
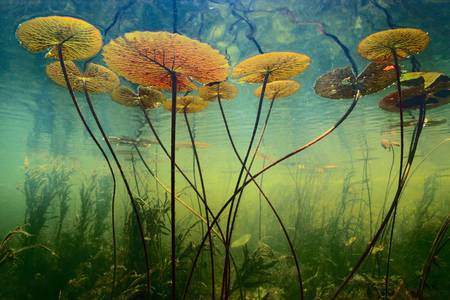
[
  {"x": 274, "y": 65},
  {"x": 187, "y": 104},
  {"x": 149, "y": 59},
  {"x": 387, "y": 44},
  {"x": 430, "y": 88},
  {"x": 279, "y": 89},
  {"x": 167, "y": 61},
  {"x": 96, "y": 78},
  {"x": 146, "y": 96},
  {"x": 333, "y": 227},
  {"x": 8, "y": 253},
  {"x": 75, "y": 38},
  {"x": 341, "y": 83},
  {"x": 225, "y": 90}
]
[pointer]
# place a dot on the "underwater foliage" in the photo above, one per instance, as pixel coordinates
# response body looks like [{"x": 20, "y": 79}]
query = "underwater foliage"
[
  {"x": 404, "y": 41},
  {"x": 148, "y": 58},
  {"x": 147, "y": 96},
  {"x": 96, "y": 78},
  {"x": 189, "y": 104},
  {"x": 324, "y": 225},
  {"x": 279, "y": 89},
  {"x": 225, "y": 90},
  {"x": 279, "y": 65},
  {"x": 77, "y": 38}
]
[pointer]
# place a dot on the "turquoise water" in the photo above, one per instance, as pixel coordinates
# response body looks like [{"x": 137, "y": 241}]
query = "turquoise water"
[{"x": 331, "y": 198}]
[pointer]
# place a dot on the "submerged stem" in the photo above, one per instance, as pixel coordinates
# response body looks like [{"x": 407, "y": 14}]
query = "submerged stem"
[
  {"x": 173, "y": 77},
  {"x": 127, "y": 187},
  {"x": 91, "y": 134},
  {"x": 211, "y": 245}
]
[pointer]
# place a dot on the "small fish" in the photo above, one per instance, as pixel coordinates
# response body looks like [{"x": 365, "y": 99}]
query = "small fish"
[
  {"x": 188, "y": 145},
  {"x": 387, "y": 144},
  {"x": 389, "y": 68},
  {"x": 330, "y": 166}
]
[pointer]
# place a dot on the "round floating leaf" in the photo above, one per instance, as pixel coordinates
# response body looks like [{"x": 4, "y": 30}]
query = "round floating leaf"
[
  {"x": 376, "y": 77},
  {"x": 336, "y": 84},
  {"x": 77, "y": 38},
  {"x": 279, "y": 89},
  {"x": 379, "y": 46},
  {"x": 150, "y": 97},
  {"x": 413, "y": 97},
  {"x": 280, "y": 65},
  {"x": 97, "y": 78},
  {"x": 189, "y": 104},
  {"x": 341, "y": 84},
  {"x": 148, "y": 58},
  {"x": 226, "y": 90},
  {"x": 418, "y": 78}
]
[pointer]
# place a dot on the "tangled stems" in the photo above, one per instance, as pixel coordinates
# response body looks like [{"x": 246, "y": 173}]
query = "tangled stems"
[
  {"x": 403, "y": 175},
  {"x": 261, "y": 193},
  {"x": 127, "y": 186},
  {"x": 91, "y": 134},
  {"x": 252, "y": 178},
  {"x": 252, "y": 160},
  {"x": 158, "y": 139},
  {"x": 211, "y": 246},
  {"x": 226, "y": 273}
]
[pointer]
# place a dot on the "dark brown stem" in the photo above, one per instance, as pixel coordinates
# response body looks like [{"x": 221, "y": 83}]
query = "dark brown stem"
[
  {"x": 173, "y": 258},
  {"x": 226, "y": 272},
  {"x": 404, "y": 176},
  {"x": 158, "y": 139},
  {"x": 211, "y": 245},
  {"x": 127, "y": 187},
  {"x": 400, "y": 178},
  {"x": 91, "y": 134}
]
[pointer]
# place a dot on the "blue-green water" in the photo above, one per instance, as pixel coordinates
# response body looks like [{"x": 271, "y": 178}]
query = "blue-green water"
[{"x": 331, "y": 198}]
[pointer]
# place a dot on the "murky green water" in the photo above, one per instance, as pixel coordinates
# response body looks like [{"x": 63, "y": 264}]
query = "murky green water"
[{"x": 332, "y": 198}]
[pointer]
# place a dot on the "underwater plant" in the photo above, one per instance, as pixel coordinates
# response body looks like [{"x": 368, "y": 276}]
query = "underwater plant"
[
  {"x": 96, "y": 79},
  {"x": 8, "y": 253},
  {"x": 193, "y": 104},
  {"x": 392, "y": 45},
  {"x": 168, "y": 61},
  {"x": 262, "y": 68},
  {"x": 146, "y": 97},
  {"x": 66, "y": 38}
]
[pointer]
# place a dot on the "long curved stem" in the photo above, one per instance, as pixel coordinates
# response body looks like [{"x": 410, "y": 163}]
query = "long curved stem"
[
  {"x": 91, "y": 134},
  {"x": 127, "y": 187},
  {"x": 211, "y": 245},
  {"x": 400, "y": 179},
  {"x": 252, "y": 178},
  {"x": 226, "y": 272},
  {"x": 289, "y": 241},
  {"x": 404, "y": 176},
  {"x": 258, "y": 144},
  {"x": 173, "y": 258}
]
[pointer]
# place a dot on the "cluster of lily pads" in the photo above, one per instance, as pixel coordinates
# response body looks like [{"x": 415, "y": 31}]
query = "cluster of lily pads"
[{"x": 163, "y": 64}]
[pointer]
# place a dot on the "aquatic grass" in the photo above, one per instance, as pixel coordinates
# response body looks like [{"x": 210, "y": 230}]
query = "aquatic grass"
[{"x": 440, "y": 241}]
